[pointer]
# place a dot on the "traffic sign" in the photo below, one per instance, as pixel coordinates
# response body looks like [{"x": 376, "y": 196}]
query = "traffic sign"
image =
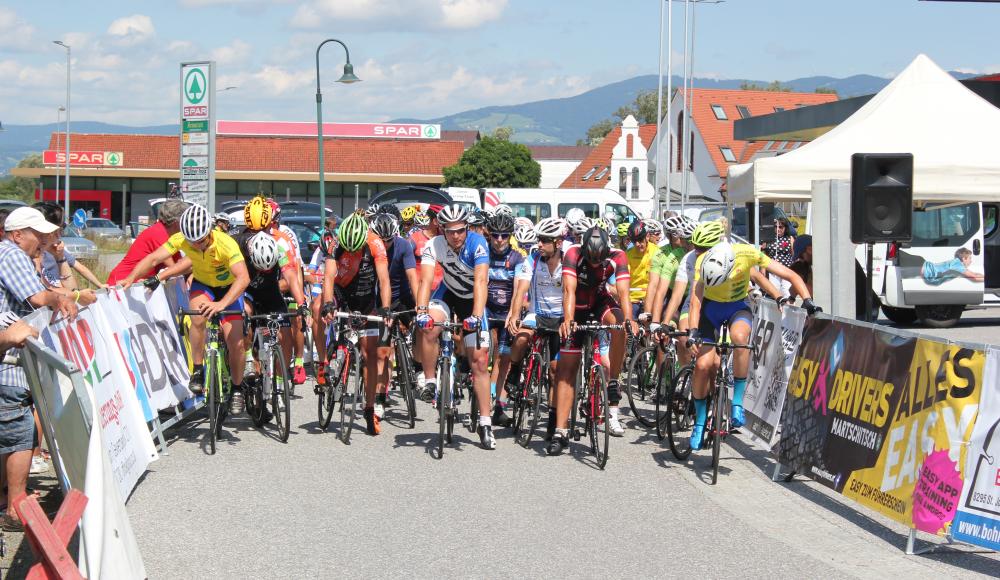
[{"x": 80, "y": 218}]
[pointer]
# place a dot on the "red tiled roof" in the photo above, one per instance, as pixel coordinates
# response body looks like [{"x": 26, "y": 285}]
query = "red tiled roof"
[
  {"x": 560, "y": 152},
  {"x": 600, "y": 157},
  {"x": 716, "y": 133},
  {"x": 287, "y": 154},
  {"x": 468, "y": 138}
]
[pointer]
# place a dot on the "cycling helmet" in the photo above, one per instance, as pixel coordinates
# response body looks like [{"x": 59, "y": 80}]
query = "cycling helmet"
[
  {"x": 371, "y": 210},
  {"x": 637, "y": 231},
  {"x": 353, "y": 232},
  {"x": 653, "y": 227},
  {"x": 476, "y": 218},
  {"x": 581, "y": 225},
  {"x": 673, "y": 224},
  {"x": 717, "y": 264},
  {"x": 525, "y": 236},
  {"x": 503, "y": 208},
  {"x": 622, "y": 229},
  {"x": 708, "y": 234},
  {"x": 524, "y": 221},
  {"x": 500, "y": 223},
  {"x": 434, "y": 210},
  {"x": 275, "y": 210},
  {"x": 390, "y": 209},
  {"x": 551, "y": 227},
  {"x": 687, "y": 228},
  {"x": 257, "y": 214},
  {"x": 422, "y": 219},
  {"x": 408, "y": 213},
  {"x": 385, "y": 226},
  {"x": 196, "y": 223},
  {"x": 450, "y": 214},
  {"x": 263, "y": 251},
  {"x": 596, "y": 245},
  {"x": 573, "y": 215},
  {"x": 221, "y": 217}
]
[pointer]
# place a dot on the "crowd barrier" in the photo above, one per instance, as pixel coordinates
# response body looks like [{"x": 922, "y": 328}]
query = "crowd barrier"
[{"x": 899, "y": 423}]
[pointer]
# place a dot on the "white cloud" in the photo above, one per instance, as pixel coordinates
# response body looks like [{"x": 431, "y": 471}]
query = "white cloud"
[
  {"x": 16, "y": 35},
  {"x": 234, "y": 53},
  {"x": 131, "y": 30},
  {"x": 400, "y": 15},
  {"x": 967, "y": 70}
]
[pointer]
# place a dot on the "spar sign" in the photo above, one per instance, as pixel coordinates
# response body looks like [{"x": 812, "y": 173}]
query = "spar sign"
[
  {"x": 356, "y": 130},
  {"x": 197, "y": 151},
  {"x": 85, "y": 158}
]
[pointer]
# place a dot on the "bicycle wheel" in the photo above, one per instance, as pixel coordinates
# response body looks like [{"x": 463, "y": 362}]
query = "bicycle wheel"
[
  {"x": 349, "y": 391},
  {"x": 718, "y": 424},
  {"x": 642, "y": 379},
  {"x": 473, "y": 405},
  {"x": 680, "y": 415},
  {"x": 280, "y": 392},
  {"x": 211, "y": 388},
  {"x": 444, "y": 405},
  {"x": 254, "y": 394},
  {"x": 517, "y": 400},
  {"x": 661, "y": 394},
  {"x": 600, "y": 414},
  {"x": 404, "y": 378},
  {"x": 577, "y": 401},
  {"x": 531, "y": 399}
]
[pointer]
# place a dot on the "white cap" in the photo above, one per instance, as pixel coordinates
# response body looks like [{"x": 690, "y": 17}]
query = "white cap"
[{"x": 28, "y": 217}]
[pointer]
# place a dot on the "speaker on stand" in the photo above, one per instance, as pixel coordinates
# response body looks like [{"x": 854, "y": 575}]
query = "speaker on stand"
[
  {"x": 881, "y": 205},
  {"x": 767, "y": 233}
]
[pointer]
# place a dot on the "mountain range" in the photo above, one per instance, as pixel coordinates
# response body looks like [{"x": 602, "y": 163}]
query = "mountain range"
[{"x": 548, "y": 122}]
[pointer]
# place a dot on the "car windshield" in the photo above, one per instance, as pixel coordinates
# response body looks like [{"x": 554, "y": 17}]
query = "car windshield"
[
  {"x": 71, "y": 232},
  {"x": 302, "y": 209},
  {"x": 100, "y": 223},
  {"x": 305, "y": 234}
]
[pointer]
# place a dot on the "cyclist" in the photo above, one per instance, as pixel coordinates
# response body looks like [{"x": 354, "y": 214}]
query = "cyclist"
[
  {"x": 525, "y": 238},
  {"x": 622, "y": 230},
  {"x": 477, "y": 222},
  {"x": 540, "y": 277},
  {"x": 464, "y": 256},
  {"x": 220, "y": 277},
  {"x": 428, "y": 229},
  {"x": 356, "y": 275},
  {"x": 314, "y": 276},
  {"x": 586, "y": 270},
  {"x": 402, "y": 280},
  {"x": 640, "y": 259},
  {"x": 675, "y": 274},
  {"x": 665, "y": 265},
  {"x": 654, "y": 231},
  {"x": 504, "y": 262},
  {"x": 290, "y": 243},
  {"x": 406, "y": 215},
  {"x": 721, "y": 281},
  {"x": 222, "y": 222}
]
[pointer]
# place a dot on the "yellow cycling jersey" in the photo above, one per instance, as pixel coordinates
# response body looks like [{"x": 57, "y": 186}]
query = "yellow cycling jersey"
[
  {"x": 638, "y": 267},
  {"x": 737, "y": 286},
  {"x": 213, "y": 267}
]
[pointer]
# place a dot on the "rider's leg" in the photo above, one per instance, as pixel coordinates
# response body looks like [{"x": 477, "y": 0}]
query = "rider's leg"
[
  {"x": 739, "y": 333},
  {"x": 369, "y": 350},
  {"x": 232, "y": 330},
  {"x": 197, "y": 330},
  {"x": 429, "y": 348}
]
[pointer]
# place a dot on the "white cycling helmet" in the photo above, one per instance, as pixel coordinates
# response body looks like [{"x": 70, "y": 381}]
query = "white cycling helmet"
[
  {"x": 503, "y": 208},
  {"x": 551, "y": 227},
  {"x": 687, "y": 228},
  {"x": 525, "y": 236},
  {"x": 453, "y": 213},
  {"x": 263, "y": 251},
  {"x": 653, "y": 227},
  {"x": 196, "y": 223},
  {"x": 582, "y": 225},
  {"x": 523, "y": 222},
  {"x": 574, "y": 214},
  {"x": 673, "y": 224},
  {"x": 717, "y": 264}
]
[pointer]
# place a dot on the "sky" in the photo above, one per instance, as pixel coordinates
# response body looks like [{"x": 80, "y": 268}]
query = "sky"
[{"x": 428, "y": 58}]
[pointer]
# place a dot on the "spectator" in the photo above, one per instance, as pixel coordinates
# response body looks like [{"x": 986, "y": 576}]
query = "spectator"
[
  {"x": 802, "y": 260},
  {"x": 150, "y": 240},
  {"x": 56, "y": 262},
  {"x": 781, "y": 250},
  {"x": 20, "y": 292}
]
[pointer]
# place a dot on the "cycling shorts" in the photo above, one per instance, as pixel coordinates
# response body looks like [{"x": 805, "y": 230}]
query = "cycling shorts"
[
  {"x": 376, "y": 329},
  {"x": 216, "y": 293},
  {"x": 504, "y": 338},
  {"x": 715, "y": 314},
  {"x": 605, "y": 304},
  {"x": 462, "y": 308},
  {"x": 547, "y": 326}
]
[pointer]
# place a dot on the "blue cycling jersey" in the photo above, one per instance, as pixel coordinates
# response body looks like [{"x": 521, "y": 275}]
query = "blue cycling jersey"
[
  {"x": 458, "y": 267},
  {"x": 545, "y": 292},
  {"x": 503, "y": 266}
]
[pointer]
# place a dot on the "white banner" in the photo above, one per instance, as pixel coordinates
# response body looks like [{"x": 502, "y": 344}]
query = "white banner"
[
  {"x": 89, "y": 343},
  {"x": 777, "y": 334},
  {"x": 978, "y": 518}
]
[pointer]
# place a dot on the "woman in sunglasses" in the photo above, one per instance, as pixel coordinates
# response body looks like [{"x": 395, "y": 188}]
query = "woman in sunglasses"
[{"x": 504, "y": 262}]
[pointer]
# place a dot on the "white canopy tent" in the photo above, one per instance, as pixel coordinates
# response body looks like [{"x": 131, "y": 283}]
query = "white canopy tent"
[{"x": 951, "y": 132}]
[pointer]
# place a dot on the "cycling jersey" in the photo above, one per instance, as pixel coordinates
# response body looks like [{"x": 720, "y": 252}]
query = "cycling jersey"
[
  {"x": 293, "y": 241},
  {"x": 213, "y": 267},
  {"x": 356, "y": 275},
  {"x": 287, "y": 244},
  {"x": 545, "y": 293},
  {"x": 639, "y": 264},
  {"x": 401, "y": 260},
  {"x": 591, "y": 280},
  {"x": 665, "y": 266},
  {"x": 264, "y": 289},
  {"x": 685, "y": 271},
  {"x": 500, "y": 290},
  {"x": 316, "y": 267},
  {"x": 737, "y": 285},
  {"x": 419, "y": 239},
  {"x": 459, "y": 266}
]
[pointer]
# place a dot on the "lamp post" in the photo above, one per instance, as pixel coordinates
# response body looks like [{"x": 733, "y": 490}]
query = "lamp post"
[
  {"x": 59, "y": 112},
  {"x": 347, "y": 78},
  {"x": 68, "y": 55}
]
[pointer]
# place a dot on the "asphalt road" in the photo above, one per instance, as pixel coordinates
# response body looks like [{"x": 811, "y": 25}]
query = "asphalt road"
[{"x": 383, "y": 507}]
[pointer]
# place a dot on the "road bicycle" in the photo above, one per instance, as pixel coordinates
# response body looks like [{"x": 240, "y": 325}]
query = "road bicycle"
[
  {"x": 534, "y": 385},
  {"x": 594, "y": 408},
  {"x": 649, "y": 380},
  {"x": 344, "y": 383},
  {"x": 272, "y": 385},
  {"x": 218, "y": 386},
  {"x": 405, "y": 377},
  {"x": 450, "y": 386}
]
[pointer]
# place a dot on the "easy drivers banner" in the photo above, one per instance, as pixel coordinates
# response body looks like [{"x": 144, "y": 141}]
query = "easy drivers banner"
[{"x": 882, "y": 419}]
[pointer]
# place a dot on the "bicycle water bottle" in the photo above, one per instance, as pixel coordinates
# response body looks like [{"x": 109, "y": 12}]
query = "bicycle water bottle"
[{"x": 336, "y": 364}]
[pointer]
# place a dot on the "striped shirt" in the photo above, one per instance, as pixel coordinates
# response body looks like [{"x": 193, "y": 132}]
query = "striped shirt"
[{"x": 18, "y": 282}]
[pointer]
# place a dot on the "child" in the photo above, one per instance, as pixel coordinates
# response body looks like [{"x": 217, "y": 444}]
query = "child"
[{"x": 940, "y": 272}]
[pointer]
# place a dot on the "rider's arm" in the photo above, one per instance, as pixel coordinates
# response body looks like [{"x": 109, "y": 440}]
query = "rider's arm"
[
  {"x": 288, "y": 275},
  {"x": 181, "y": 267},
  {"x": 239, "y": 269},
  {"x": 765, "y": 284},
  {"x": 147, "y": 264},
  {"x": 480, "y": 283},
  {"x": 694, "y": 310},
  {"x": 676, "y": 297},
  {"x": 329, "y": 275},
  {"x": 569, "y": 297},
  {"x": 652, "y": 289},
  {"x": 623, "y": 286},
  {"x": 384, "y": 285},
  {"x": 782, "y": 271}
]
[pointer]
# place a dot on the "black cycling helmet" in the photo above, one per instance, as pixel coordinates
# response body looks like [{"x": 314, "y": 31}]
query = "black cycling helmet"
[
  {"x": 596, "y": 245},
  {"x": 476, "y": 218},
  {"x": 500, "y": 223},
  {"x": 391, "y": 209},
  {"x": 637, "y": 231}
]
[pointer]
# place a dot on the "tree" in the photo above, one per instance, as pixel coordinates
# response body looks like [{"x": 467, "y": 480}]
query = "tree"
[
  {"x": 503, "y": 133},
  {"x": 774, "y": 86},
  {"x": 494, "y": 162},
  {"x": 826, "y": 91},
  {"x": 21, "y": 188},
  {"x": 643, "y": 108},
  {"x": 598, "y": 131}
]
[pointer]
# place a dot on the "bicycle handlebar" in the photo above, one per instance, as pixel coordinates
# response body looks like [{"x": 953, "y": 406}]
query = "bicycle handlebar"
[
  {"x": 274, "y": 316},
  {"x": 358, "y": 316},
  {"x": 596, "y": 327},
  {"x": 220, "y": 314}
]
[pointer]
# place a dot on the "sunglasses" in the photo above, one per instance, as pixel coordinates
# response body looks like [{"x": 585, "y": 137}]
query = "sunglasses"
[
  {"x": 456, "y": 231},
  {"x": 500, "y": 236},
  {"x": 544, "y": 240}
]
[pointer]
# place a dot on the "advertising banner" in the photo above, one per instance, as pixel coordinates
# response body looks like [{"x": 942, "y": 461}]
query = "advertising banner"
[
  {"x": 882, "y": 418},
  {"x": 978, "y": 518},
  {"x": 777, "y": 334}
]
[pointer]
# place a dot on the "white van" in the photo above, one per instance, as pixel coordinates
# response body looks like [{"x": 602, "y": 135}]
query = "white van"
[
  {"x": 951, "y": 263},
  {"x": 537, "y": 204}
]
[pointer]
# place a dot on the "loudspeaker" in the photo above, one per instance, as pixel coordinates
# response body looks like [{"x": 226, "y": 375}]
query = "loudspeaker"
[
  {"x": 767, "y": 233},
  {"x": 881, "y": 197}
]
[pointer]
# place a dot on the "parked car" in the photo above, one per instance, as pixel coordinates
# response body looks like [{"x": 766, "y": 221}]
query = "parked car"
[
  {"x": 104, "y": 228},
  {"x": 307, "y": 230},
  {"x": 78, "y": 245},
  {"x": 301, "y": 208},
  {"x": 11, "y": 204}
]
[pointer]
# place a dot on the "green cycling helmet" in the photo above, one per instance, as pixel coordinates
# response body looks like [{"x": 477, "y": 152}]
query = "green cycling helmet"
[
  {"x": 708, "y": 234},
  {"x": 353, "y": 232},
  {"x": 623, "y": 229}
]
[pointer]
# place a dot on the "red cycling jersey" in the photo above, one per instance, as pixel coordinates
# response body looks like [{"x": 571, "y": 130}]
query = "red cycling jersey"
[
  {"x": 420, "y": 239},
  {"x": 591, "y": 281}
]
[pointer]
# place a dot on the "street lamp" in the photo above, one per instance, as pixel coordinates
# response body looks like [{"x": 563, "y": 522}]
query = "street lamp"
[
  {"x": 59, "y": 113},
  {"x": 225, "y": 89},
  {"x": 68, "y": 54},
  {"x": 347, "y": 78}
]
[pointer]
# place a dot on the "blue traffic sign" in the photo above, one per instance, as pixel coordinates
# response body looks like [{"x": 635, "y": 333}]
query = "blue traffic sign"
[{"x": 80, "y": 218}]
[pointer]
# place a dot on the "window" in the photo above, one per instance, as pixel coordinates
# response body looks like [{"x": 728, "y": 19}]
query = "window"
[
  {"x": 720, "y": 113},
  {"x": 532, "y": 211},
  {"x": 619, "y": 212},
  {"x": 602, "y": 173},
  {"x": 950, "y": 226},
  {"x": 591, "y": 209},
  {"x": 727, "y": 154},
  {"x": 622, "y": 181},
  {"x": 769, "y": 145},
  {"x": 743, "y": 111},
  {"x": 680, "y": 141},
  {"x": 635, "y": 183},
  {"x": 781, "y": 146},
  {"x": 778, "y": 109},
  {"x": 587, "y": 175},
  {"x": 989, "y": 220}
]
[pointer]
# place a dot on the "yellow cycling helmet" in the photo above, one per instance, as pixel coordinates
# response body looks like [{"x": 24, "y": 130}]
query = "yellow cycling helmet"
[
  {"x": 623, "y": 229},
  {"x": 408, "y": 213},
  {"x": 258, "y": 213}
]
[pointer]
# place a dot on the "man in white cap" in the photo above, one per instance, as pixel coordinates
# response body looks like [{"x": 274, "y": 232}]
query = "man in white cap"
[{"x": 21, "y": 291}]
